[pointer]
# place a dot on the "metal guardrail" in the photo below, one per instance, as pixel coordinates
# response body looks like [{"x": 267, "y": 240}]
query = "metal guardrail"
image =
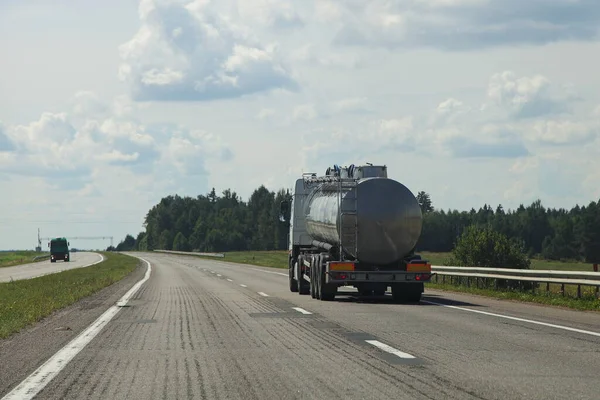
[
  {"x": 190, "y": 253},
  {"x": 578, "y": 278}
]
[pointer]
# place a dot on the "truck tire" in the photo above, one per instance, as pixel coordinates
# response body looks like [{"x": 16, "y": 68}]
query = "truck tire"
[
  {"x": 327, "y": 291},
  {"x": 293, "y": 282},
  {"x": 303, "y": 286},
  {"x": 313, "y": 283}
]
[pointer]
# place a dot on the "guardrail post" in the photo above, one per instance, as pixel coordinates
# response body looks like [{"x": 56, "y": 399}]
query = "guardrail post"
[
  {"x": 578, "y": 291},
  {"x": 595, "y": 267}
]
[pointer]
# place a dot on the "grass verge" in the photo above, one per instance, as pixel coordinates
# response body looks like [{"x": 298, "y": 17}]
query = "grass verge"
[
  {"x": 273, "y": 259},
  {"x": 12, "y": 258},
  {"x": 27, "y": 301},
  {"x": 441, "y": 258},
  {"x": 588, "y": 302}
]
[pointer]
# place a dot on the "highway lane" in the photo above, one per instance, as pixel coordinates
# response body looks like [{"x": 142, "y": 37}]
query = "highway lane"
[
  {"x": 27, "y": 271},
  {"x": 206, "y": 329}
]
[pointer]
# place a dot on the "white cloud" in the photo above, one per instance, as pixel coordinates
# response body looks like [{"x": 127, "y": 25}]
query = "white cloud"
[
  {"x": 87, "y": 103},
  {"x": 351, "y": 104},
  {"x": 465, "y": 24},
  {"x": 564, "y": 132},
  {"x": 327, "y": 11},
  {"x": 313, "y": 55},
  {"x": 527, "y": 97},
  {"x": 186, "y": 51},
  {"x": 488, "y": 141},
  {"x": 116, "y": 155},
  {"x": 278, "y": 14},
  {"x": 305, "y": 112},
  {"x": 69, "y": 151},
  {"x": 394, "y": 131},
  {"x": 265, "y": 113},
  {"x": 450, "y": 111},
  {"x": 6, "y": 143}
]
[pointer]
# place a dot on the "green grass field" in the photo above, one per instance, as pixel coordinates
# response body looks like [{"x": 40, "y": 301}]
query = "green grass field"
[
  {"x": 440, "y": 259},
  {"x": 11, "y": 258},
  {"x": 278, "y": 259},
  {"x": 25, "y": 302}
]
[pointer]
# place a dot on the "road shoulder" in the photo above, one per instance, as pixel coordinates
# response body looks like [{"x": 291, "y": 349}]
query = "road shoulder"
[{"x": 23, "y": 352}]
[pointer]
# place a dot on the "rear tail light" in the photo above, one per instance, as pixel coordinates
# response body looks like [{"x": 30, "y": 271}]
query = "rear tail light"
[
  {"x": 422, "y": 277},
  {"x": 341, "y": 275}
]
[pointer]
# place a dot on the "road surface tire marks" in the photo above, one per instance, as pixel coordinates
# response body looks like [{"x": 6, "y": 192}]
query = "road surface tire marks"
[
  {"x": 329, "y": 345},
  {"x": 23, "y": 352},
  {"x": 189, "y": 334}
]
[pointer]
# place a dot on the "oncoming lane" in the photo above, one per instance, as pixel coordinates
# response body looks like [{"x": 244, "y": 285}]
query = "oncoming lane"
[{"x": 33, "y": 270}]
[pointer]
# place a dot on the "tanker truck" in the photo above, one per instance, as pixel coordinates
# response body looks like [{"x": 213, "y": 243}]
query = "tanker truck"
[{"x": 356, "y": 227}]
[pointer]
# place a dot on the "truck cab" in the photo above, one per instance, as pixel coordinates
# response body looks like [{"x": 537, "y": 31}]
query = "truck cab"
[{"x": 59, "y": 250}]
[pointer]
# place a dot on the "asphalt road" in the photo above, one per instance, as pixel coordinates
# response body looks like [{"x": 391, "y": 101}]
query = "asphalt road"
[
  {"x": 212, "y": 330},
  {"x": 27, "y": 271}
]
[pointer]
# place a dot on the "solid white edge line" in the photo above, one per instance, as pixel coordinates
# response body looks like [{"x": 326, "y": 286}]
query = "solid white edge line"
[
  {"x": 35, "y": 382},
  {"x": 269, "y": 272},
  {"x": 263, "y": 294},
  {"x": 389, "y": 349},
  {"x": 302, "y": 310},
  {"x": 517, "y": 319},
  {"x": 242, "y": 285}
]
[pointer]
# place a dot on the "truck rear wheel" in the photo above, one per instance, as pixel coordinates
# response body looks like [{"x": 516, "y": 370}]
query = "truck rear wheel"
[
  {"x": 292, "y": 281},
  {"x": 327, "y": 291},
  {"x": 303, "y": 286},
  {"x": 313, "y": 283}
]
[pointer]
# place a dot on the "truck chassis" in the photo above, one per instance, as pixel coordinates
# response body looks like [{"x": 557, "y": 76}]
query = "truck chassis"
[{"x": 318, "y": 273}]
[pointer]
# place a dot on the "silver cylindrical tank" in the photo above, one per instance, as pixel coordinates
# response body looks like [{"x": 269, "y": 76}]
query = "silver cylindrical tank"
[{"x": 388, "y": 217}]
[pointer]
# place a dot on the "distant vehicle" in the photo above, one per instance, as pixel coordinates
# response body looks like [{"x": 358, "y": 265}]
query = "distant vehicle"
[
  {"x": 59, "y": 249},
  {"x": 354, "y": 227}
]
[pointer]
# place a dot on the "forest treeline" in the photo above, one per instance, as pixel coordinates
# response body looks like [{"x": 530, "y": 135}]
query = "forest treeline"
[{"x": 213, "y": 223}]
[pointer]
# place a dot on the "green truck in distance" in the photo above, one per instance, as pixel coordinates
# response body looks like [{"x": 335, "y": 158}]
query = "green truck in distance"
[{"x": 59, "y": 249}]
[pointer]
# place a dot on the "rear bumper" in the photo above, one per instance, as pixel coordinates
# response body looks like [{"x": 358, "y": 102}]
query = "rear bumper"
[
  {"x": 59, "y": 256},
  {"x": 342, "y": 277}
]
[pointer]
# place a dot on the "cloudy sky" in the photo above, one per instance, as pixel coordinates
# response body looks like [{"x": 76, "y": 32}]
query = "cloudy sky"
[{"x": 106, "y": 107}]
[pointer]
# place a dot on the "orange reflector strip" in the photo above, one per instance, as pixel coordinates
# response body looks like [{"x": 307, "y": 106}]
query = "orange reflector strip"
[
  {"x": 335, "y": 266},
  {"x": 418, "y": 267}
]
